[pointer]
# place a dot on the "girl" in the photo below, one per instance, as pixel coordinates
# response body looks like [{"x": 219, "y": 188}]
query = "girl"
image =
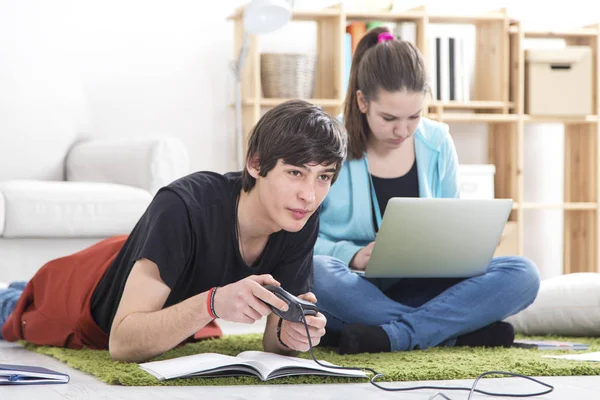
[{"x": 394, "y": 152}]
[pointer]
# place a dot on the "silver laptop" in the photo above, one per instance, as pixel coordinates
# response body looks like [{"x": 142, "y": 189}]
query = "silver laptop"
[{"x": 437, "y": 238}]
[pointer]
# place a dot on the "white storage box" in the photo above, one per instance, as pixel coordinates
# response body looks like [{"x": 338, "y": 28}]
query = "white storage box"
[
  {"x": 476, "y": 181},
  {"x": 559, "y": 81}
]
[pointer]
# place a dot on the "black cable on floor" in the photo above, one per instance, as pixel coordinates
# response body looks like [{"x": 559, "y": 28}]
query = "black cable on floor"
[{"x": 471, "y": 390}]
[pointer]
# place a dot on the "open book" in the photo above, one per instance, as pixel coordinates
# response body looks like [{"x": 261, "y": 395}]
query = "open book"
[
  {"x": 249, "y": 363},
  {"x": 25, "y": 375}
]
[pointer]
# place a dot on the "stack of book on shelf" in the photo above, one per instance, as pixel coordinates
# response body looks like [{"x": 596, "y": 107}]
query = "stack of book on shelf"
[{"x": 451, "y": 61}]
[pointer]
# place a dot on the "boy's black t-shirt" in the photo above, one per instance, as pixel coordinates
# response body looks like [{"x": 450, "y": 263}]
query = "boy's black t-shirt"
[{"x": 189, "y": 232}]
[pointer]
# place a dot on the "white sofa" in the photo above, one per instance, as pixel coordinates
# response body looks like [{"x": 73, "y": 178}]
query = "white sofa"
[
  {"x": 107, "y": 186},
  {"x": 63, "y": 186}
]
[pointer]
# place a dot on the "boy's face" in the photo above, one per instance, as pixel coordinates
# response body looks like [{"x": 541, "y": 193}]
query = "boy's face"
[{"x": 291, "y": 194}]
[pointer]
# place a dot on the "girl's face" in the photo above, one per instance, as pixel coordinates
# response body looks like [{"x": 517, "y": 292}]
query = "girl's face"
[{"x": 393, "y": 117}]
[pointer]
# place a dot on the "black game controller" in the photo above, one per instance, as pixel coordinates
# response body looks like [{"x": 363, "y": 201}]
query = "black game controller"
[{"x": 296, "y": 307}]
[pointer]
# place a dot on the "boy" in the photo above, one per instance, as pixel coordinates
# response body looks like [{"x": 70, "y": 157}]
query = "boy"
[{"x": 204, "y": 248}]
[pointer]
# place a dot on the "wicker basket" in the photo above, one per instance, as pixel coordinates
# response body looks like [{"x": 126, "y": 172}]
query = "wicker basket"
[{"x": 288, "y": 75}]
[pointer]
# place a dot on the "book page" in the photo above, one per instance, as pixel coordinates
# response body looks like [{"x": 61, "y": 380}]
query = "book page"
[
  {"x": 274, "y": 365},
  {"x": 196, "y": 364}
]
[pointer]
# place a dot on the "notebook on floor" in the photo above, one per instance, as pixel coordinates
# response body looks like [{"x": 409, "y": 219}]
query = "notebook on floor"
[{"x": 29, "y": 375}]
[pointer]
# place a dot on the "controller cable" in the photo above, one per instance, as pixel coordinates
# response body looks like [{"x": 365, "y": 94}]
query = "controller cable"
[{"x": 471, "y": 390}]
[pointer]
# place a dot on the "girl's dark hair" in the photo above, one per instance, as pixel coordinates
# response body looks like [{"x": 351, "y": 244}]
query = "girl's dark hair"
[
  {"x": 298, "y": 133},
  {"x": 392, "y": 65}
]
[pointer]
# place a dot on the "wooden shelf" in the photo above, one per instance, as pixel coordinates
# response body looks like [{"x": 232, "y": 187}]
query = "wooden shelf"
[
  {"x": 499, "y": 73},
  {"x": 472, "y": 117},
  {"x": 420, "y": 14},
  {"x": 409, "y": 15},
  {"x": 466, "y": 19},
  {"x": 315, "y": 15},
  {"x": 587, "y": 119},
  {"x": 576, "y": 33},
  {"x": 272, "y": 102},
  {"x": 298, "y": 15},
  {"x": 480, "y": 105},
  {"x": 560, "y": 206}
]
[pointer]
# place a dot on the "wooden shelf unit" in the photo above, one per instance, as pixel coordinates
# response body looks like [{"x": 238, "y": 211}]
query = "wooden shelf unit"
[
  {"x": 497, "y": 102},
  {"x": 271, "y": 102}
]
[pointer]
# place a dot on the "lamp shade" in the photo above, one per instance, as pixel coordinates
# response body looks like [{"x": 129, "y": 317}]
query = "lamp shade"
[{"x": 264, "y": 16}]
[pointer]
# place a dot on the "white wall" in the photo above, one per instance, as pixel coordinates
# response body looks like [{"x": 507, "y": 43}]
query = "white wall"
[{"x": 162, "y": 67}]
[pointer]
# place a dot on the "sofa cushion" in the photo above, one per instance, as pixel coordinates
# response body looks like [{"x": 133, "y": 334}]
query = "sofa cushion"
[
  {"x": 566, "y": 305},
  {"x": 70, "y": 209},
  {"x": 147, "y": 162}
]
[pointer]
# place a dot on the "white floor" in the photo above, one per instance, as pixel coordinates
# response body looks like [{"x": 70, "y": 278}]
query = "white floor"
[{"x": 83, "y": 386}]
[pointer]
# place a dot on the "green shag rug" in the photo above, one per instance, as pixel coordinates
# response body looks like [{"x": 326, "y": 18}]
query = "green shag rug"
[{"x": 439, "y": 363}]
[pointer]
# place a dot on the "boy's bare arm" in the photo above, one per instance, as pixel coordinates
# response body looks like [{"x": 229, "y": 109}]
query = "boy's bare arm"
[{"x": 141, "y": 329}]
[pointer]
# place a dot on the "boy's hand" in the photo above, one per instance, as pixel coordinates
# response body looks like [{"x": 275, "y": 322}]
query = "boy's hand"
[
  {"x": 241, "y": 301},
  {"x": 293, "y": 334},
  {"x": 362, "y": 257}
]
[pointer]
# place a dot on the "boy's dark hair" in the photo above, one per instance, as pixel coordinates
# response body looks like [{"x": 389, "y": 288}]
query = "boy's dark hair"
[
  {"x": 298, "y": 133},
  {"x": 391, "y": 65}
]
